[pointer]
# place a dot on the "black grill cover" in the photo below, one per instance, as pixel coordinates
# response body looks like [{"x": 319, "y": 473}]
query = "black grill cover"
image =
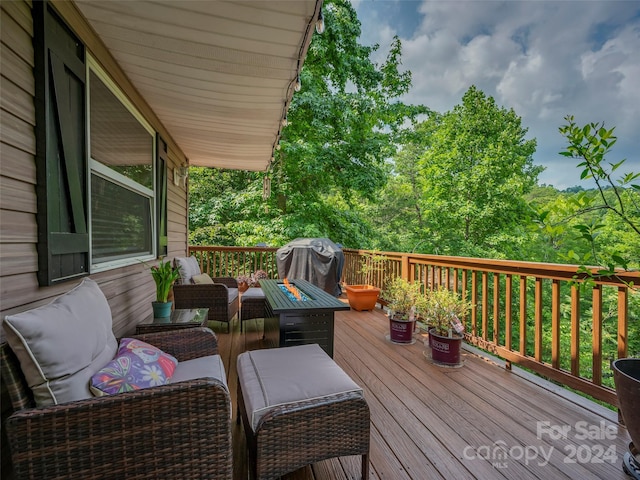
[{"x": 317, "y": 260}]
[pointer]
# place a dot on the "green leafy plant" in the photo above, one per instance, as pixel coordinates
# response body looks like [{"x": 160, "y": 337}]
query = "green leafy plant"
[
  {"x": 164, "y": 275},
  {"x": 590, "y": 144},
  {"x": 405, "y": 299},
  {"x": 444, "y": 308},
  {"x": 372, "y": 264}
]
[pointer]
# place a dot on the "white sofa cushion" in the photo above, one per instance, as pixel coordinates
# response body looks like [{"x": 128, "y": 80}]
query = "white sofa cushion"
[
  {"x": 272, "y": 377},
  {"x": 188, "y": 268},
  {"x": 61, "y": 345}
]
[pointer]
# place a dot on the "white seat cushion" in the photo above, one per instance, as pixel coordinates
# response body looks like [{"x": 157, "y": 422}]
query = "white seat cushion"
[
  {"x": 253, "y": 293},
  {"x": 61, "y": 345},
  {"x": 272, "y": 377},
  {"x": 201, "y": 367}
]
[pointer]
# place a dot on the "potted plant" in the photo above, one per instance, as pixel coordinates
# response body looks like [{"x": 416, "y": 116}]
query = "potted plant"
[
  {"x": 405, "y": 300},
  {"x": 244, "y": 282},
  {"x": 442, "y": 311},
  {"x": 164, "y": 275},
  {"x": 626, "y": 375},
  {"x": 257, "y": 276},
  {"x": 365, "y": 296}
]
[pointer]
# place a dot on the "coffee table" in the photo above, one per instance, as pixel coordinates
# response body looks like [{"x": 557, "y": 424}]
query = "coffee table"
[{"x": 180, "y": 318}]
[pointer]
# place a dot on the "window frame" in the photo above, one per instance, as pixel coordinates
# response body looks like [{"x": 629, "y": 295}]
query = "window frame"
[{"x": 97, "y": 168}]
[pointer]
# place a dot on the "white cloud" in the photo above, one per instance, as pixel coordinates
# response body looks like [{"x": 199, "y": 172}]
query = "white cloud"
[{"x": 544, "y": 59}]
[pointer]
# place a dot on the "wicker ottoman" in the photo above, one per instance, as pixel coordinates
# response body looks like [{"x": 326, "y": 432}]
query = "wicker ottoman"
[
  {"x": 252, "y": 305},
  {"x": 299, "y": 407}
]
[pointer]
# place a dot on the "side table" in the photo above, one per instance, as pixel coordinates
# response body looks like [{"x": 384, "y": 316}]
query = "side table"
[{"x": 180, "y": 318}]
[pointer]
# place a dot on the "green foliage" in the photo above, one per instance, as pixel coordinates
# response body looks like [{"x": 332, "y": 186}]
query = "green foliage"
[
  {"x": 443, "y": 308},
  {"x": 404, "y": 298},
  {"x": 342, "y": 126},
  {"x": 372, "y": 266},
  {"x": 164, "y": 275},
  {"x": 617, "y": 200},
  {"x": 477, "y": 167}
]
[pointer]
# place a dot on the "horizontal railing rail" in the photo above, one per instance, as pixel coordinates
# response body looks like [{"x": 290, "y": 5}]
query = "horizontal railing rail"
[
  {"x": 235, "y": 261},
  {"x": 548, "y": 318}
]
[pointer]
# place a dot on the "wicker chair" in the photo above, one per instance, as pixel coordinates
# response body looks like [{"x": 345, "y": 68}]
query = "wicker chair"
[
  {"x": 180, "y": 430},
  {"x": 221, "y": 297}
]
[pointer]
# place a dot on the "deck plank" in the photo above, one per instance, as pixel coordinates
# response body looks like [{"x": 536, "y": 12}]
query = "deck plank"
[{"x": 423, "y": 416}]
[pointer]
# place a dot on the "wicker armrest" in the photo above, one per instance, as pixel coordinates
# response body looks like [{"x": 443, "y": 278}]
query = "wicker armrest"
[
  {"x": 198, "y": 296},
  {"x": 184, "y": 344},
  {"x": 229, "y": 282},
  {"x": 180, "y": 430}
]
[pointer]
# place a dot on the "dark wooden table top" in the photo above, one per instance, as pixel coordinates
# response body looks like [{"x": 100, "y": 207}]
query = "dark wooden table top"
[{"x": 317, "y": 299}]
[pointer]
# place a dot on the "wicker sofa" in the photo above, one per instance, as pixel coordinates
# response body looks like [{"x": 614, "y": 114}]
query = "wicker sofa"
[
  {"x": 181, "y": 429},
  {"x": 197, "y": 290}
]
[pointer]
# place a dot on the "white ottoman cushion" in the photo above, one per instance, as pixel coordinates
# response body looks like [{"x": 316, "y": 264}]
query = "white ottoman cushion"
[{"x": 272, "y": 377}]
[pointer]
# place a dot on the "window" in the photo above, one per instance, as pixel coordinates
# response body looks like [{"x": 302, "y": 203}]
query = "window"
[
  {"x": 121, "y": 147},
  {"x": 101, "y": 168}
]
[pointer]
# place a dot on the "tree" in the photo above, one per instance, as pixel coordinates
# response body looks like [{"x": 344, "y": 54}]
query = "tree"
[
  {"x": 617, "y": 198},
  {"x": 599, "y": 226},
  {"x": 342, "y": 126},
  {"x": 475, "y": 172}
]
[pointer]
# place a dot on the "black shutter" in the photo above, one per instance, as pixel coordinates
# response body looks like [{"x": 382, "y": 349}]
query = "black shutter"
[
  {"x": 162, "y": 160},
  {"x": 61, "y": 159}
]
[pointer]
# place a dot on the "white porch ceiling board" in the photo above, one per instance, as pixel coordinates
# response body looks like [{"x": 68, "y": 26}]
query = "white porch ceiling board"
[{"x": 216, "y": 73}]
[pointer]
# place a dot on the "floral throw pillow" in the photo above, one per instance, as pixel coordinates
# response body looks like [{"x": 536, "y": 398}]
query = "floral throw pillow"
[{"x": 137, "y": 365}]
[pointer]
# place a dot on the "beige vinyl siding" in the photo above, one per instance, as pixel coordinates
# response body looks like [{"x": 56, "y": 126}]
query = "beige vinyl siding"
[{"x": 129, "y": 290}]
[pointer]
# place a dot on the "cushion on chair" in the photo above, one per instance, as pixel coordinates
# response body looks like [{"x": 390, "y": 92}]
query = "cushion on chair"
[
  {"x": 253, "y": 293},
  {"x": 202, "y": 367},
  {"x": 272, "y": 377},
  {"x": 137, "y": 365},
  {"x": 202, "y": 279},
  {"x": 188, "y": 267},
  {"x": 61, "y": 345},
  {"x": 233, "y": 294}
]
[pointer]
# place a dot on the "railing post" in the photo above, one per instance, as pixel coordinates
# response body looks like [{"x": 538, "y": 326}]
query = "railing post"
[
  {"x": 555, "y": 324},
  {"x": 575, "y": 330},
  {"x": 623, "y": 313},
  {"x": 404, "y": 262},
  {"x": 597, "y": 335},
  {"x": 538, "y": 320}
]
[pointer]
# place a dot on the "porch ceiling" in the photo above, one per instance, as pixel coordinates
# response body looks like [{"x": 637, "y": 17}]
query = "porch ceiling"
[{"x": 218, "y": 74}]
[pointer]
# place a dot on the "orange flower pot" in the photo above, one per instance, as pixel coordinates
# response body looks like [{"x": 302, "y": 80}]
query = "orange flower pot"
[{"x": 362, "y": 297}]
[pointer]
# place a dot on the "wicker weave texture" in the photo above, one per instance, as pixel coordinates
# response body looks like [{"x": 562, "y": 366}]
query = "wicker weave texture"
[
  {"x": 297, "y": 434},
  {"x": 176, "y": 431},
  {"x": 251, "y": 308},
  {"x": 214, "y": 297}
]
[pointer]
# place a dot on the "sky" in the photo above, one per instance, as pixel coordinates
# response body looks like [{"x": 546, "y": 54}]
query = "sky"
[{"x": 544, "y": 59}]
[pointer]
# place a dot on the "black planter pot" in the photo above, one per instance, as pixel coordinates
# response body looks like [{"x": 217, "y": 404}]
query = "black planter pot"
[{"x": 626, "y": 375}]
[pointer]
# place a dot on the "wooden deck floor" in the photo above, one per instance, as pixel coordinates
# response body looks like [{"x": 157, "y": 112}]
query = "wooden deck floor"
[{"x": 430, "y": 422}]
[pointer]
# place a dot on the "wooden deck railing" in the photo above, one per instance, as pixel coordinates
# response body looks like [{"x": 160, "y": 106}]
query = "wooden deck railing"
[{"x": 533, "y": 314}]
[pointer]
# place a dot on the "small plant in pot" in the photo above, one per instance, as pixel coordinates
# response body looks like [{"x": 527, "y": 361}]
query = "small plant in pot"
[
  {"x": 442, "y": 311},
  {"x": 164, "y": 275},
  {"x": 244, "y": 282},
  {"x": 365, "y": 296},
  {"x": 257, "y": 276},
  {"x": 405, "y": 300}
]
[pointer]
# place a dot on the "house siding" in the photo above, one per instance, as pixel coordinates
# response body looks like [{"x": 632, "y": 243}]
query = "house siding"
[{"x": 129, "y": 290}]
